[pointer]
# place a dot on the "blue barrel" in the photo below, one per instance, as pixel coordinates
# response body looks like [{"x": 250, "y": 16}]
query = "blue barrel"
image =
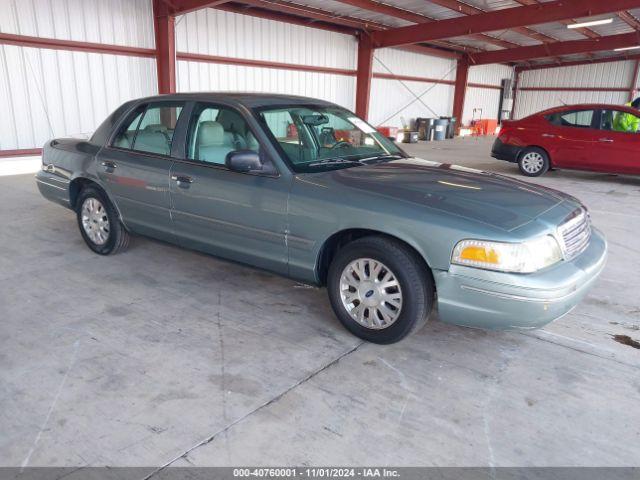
[{"x": 440, "y": 129}]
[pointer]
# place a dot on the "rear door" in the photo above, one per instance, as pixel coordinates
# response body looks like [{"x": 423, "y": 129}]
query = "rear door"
[
  {"x": 135, "y": 168},
  {"x": 622, "y": 148},
  {"x": 574, "y": 135},
  {"x": 240, "y": 216}
]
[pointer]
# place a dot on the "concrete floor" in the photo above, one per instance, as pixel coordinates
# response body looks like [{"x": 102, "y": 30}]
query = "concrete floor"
[{"x": 161, "y": 355}]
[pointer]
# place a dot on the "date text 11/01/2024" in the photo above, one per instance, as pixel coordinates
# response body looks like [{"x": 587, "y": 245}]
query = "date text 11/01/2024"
[{"x": 367, "y": 472}]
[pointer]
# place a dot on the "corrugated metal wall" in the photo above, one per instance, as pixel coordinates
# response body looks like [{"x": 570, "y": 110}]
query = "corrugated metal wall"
[
  {"x": 118, "y": 22},
  {"x": 486, "y": 101},
  {"x": 389, "y": 96},
  {"x": 600, "y": 75},
  {"x": 55, "y": 92},
  {"x": 214, "y": 32},
  {"x": 49, "y": 93},
  {"x": 225, "y": 34}
]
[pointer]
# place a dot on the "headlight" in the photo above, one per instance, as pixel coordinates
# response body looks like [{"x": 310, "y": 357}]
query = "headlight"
[{"x": 524, "y": 257}]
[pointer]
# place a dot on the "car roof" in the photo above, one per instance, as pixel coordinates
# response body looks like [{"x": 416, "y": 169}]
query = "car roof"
[
  {"x": 587, "y": 106},
  {"x": 248, "y": 99}
]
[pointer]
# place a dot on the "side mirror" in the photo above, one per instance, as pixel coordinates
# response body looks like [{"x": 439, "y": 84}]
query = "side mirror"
[{"x": 243, "y": 161}]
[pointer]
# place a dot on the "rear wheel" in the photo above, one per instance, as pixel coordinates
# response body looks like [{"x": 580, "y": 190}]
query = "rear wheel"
[
  {"x": 533, "y": 162},
  {"x": 99, "y": 222},
  {"x": 379, "y": 289}
]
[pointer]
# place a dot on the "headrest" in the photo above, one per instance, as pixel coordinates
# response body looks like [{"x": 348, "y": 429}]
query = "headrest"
[
  {"x": 231, "y": 121},
  {"x": 210, "y": 134},
  {"x": 155, "y": 127}
]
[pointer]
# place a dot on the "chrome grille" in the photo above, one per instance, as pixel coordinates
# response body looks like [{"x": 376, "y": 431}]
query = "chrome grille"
[{"x": 575, "y": 233}]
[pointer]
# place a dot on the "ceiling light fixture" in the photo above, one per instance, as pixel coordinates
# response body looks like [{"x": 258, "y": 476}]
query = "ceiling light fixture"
[
  {"x": 590, "y": 23},
  {"x": 626, "y": 48}
]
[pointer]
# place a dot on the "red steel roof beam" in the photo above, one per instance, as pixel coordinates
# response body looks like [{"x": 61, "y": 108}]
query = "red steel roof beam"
[
  {"x": 587, "y": 32},
  {"x": 574, "y": 63},
  {"x": 180, "y": 7},
  {"x": 414, "y": 17},
  {"x": 286, "y": 18},
  {"x": 312, "y": 17},
  {"x": 507, "y": 18},
  {"x": 609, "y": 42},
  {"x": 630, "y": 20},
  {"x": 471, "y": 10}
]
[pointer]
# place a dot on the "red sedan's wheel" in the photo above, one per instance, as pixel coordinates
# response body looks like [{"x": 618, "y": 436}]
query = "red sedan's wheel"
[{"x": 533, "y": 162}]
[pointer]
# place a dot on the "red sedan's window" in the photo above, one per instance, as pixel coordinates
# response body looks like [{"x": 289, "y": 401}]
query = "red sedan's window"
[
  {"x": 574, "y": 118},
  {"x": 619, "y": 121}
]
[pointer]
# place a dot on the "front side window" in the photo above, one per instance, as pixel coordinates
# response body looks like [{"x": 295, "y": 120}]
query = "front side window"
[
  {"x": 619, "y": 121},
  {"x": 320, "y": 138},
  {"x": 575, "y": 118},
  {"x": 217, "y": 131},
  {"x": 151, "y": 130}
]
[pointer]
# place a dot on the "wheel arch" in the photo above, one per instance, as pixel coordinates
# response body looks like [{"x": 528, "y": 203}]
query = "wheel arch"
[
  {"x": 79, "y": 183},
  {"x": 545, "y": 150},
  {"x": 343, "y": 237}
]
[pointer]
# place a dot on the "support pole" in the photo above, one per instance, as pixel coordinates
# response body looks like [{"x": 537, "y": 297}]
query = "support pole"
[
  {"x": 462, "y": 75},
  {"x": 364, "y": 74},
  {"x": 516, "y": 82},
  {"x": 634, "y": 81},
  {"x": 164, "y": 28}
]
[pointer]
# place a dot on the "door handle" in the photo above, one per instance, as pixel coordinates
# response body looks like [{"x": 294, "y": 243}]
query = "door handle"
[
  {"x": 606, "y": 140},
  {"x": 109, "y": 165},
  {"x": 549, "y": 135},
  {"x": 182, "y": 180}
]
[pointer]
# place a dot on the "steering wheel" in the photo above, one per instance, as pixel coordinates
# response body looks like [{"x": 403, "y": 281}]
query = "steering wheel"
[{"x": 341, "y": 143}]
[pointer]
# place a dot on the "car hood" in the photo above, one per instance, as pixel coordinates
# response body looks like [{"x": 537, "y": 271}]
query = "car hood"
[{"x": 484, "y": 197}]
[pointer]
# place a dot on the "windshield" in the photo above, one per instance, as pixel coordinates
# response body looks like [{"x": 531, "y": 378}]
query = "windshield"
[{"x": 315, "y": 138}]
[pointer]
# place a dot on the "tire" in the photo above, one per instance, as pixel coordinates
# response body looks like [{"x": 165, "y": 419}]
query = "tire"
[
  {"x": 533, "y": 162},
  {"x": 99, "y": 222},
  {"x": 414, "y": 283}
]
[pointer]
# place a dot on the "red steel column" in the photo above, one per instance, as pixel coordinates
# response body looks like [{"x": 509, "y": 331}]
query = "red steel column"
[
  {"x": 164, "y": 27},
  {"x": 364, "y": 74},
  {"x": 634, "y": 81},
  {"x": 462, "y": 74},
  {"x": 515, "y": 94}
]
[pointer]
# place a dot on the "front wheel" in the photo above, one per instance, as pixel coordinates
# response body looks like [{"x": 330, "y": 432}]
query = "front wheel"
[
  {"x": 379, "y": 289},
  {"x": 533, "y": 162}
]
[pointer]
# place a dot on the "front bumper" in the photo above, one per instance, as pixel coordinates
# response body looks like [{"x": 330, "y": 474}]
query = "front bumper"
[
  {"x": 494, "y": 300},
  {"x": 504, "y": 151}
]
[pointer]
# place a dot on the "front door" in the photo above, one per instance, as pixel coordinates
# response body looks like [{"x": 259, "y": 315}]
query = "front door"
[
  {"x": 621, "y": 149},
  {"x": 135, "y": 168},
  {"x": 239, "y": 216}
]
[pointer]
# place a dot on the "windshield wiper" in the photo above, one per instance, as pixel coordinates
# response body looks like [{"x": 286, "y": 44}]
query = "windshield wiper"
[
  {"x": 381, "y": 157},
  {"x": 334, "y": 161}
]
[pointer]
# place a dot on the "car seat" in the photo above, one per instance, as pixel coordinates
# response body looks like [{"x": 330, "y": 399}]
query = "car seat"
[
  {"x": 213, "y": 143},
  {"x": 153, "y": 138}
]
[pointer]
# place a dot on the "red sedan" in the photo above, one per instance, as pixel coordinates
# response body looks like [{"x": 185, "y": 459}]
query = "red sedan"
[{"x": 581, "y": 137}]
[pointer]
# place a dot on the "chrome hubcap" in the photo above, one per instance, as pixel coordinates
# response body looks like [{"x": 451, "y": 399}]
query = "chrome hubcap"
[
  {"x": 371, "y": 293},
  {"x": 95, "y": 221},
  {"x": 532, "y": 162}
]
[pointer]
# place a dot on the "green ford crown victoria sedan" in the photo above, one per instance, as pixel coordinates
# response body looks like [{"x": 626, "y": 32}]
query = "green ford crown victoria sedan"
[{"x": 306, "y": 189}]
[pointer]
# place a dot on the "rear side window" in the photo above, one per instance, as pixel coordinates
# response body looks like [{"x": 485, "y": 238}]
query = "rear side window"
[
  {"x": 574, "y": 118},
  {"x": 151, "y": 130}
]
